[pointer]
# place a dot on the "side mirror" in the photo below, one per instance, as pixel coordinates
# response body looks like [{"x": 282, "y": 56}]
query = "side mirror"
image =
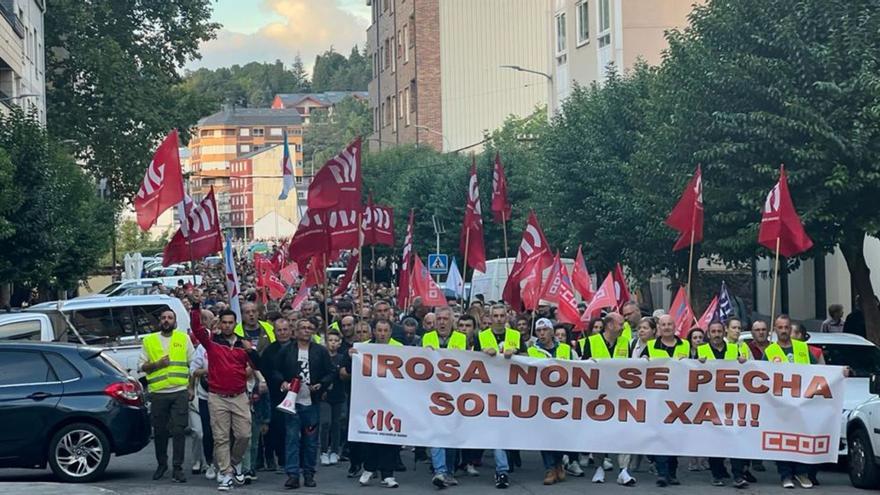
[{"x": 874, "y": 384}]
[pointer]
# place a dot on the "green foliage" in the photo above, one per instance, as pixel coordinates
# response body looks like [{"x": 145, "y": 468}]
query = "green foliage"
[
  {"x": 252, "y": 85},
  {"x": 112, "y": 71},
  {"x": 333, "y": 72},
  {"x": 131, "y": 239},
  {"x": 58, "y": 228},
  {"x": 10, "y": 195},
  {"x": 329, "y": 132}
]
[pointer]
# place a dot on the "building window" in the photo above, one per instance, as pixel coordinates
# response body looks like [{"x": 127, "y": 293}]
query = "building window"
[
  {"x": 394, "y": 55},
  {"x": 400, "y": 112},
  {"x": 405, "y": 43},
  {"x": 583, "y": 23},
  {"x": 276, "y": 131},
  {"x": 386, "y": 59},
  {"x": 259, "y": 131},
  {"x": 406, "y": 104},
  {"x": 413, "y": 97},
  {"x": 604, "y": 23},
  {"x": 244, "y": 131},
  {"x": 384, "y": 119},
  {"x": 560, "y": 34},
  {"x": 245, "y": 148}
]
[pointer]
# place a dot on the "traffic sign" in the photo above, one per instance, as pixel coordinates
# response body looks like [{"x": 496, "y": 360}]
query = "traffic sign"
[{"x": 438, "y": 264}]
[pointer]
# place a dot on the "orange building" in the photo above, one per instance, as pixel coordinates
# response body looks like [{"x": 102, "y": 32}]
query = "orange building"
[{"x": 222, "y": 137}]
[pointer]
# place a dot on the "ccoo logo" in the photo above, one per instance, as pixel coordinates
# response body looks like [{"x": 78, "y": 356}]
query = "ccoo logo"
[{"x": 380, "y": 420}]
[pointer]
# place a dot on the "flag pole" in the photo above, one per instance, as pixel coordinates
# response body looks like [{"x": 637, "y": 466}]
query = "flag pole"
[
  {"x": 467, "y": 241},
  {"x": 360, "y": 263},
  {"x": 326, "y": 295},
  {"x": 373, "y": 262},
  {"x": 775, "y": 280},
  {"x": 691, "y": 255},
  {"x": 506, "y": 252}
]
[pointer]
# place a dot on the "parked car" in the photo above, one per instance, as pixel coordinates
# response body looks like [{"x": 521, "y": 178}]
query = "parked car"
[
  {"x": 68, "y": 406},
  {"x": 863, "y": 359},
  {"x": 115, "y": 324},
  {"x": 863, "y": 435},
  {"x": 133, "y": 286}
]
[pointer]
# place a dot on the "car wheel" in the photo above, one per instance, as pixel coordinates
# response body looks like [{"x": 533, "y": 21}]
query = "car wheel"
[
  {"x": 79, "y": 453},
  {"x": 863, "y": 471}
]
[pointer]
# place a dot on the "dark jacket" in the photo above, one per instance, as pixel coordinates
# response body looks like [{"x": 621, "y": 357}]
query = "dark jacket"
[
  {"x": 269, "y": 362},
  {"x": 320, "y": 367},
  {"x": 336, "y": 393}
]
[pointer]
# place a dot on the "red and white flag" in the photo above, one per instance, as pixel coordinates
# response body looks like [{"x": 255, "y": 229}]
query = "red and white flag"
[
  {"x": 378, "y": 225},
  {"x": 350, "y": 268},
  {"x": 580, "y": 277},
  {"x": 311, "y": 239},
  {"x": 289, "y": 273},
  {"x": 343, "y": 228},
  {"x": 315, "y": 274},
  {"x": 603, "y": 298},
  {"x": 162, "y": 186},
  {"x": 780, "y": 222},
  {"x": 202, "y": 239},
  {"x": 424, "y": 286},
  {"x": 338, "y": 182},
  {"x": 558, "y": 290},
  {"x": 621, "y": 290},
  {"x": 709, "y": 315},
  {"x": 500, "y": 204},
  {"x": 403, "y": 281},
  {"x": 533, "y": 286},
  {"x": 471, "y": 240},
  {"x": 681, "y": 312},
  {"x": 687, "y": 216},
  {"x": 533, "y": 248}
]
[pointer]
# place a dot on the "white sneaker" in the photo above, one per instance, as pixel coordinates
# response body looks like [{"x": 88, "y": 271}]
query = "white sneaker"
[
  {"x": 599, "y": 477},
  {"x": 325, "y": 459},
  {"x": 364, "y": 480},
  {"x": 607, "y": 464},
  {"x": 574, "y": 469},
  {"x": 625, "y": 479},
  {"x": 584, "y": 460},
  {"x": 197, "y": 468},
  {"x": 211, "y": 472},
  {"x": 390, "y": 482},
  {"x": 224, "y": 482},
  {"x": 238, "y": 475},
  {"x": 334, "y": 458},
  {"x": 471, "y": 470}
]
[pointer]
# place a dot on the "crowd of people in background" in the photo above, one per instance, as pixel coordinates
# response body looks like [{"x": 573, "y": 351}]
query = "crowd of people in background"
[{"x": 224, "y": 381}]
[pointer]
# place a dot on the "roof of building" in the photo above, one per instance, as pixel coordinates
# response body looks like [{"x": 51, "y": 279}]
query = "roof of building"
[
  {"x": 254, "y": 153},
  {"x": 327, "y": 98},
  {"x": 253, "y": 116}
]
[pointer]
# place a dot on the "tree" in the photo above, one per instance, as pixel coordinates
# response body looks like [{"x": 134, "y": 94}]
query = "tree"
[
  {"x": 10, "y": 195},
  {"x": 112, "y": 67},
  {"x": 330, "y": 131},
  {"x": 755, "y": 83},
  {"x": 333, "y": 72}
]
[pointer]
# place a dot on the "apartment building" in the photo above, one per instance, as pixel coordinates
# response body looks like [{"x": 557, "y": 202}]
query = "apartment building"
[
  {"x": 224, "y": 136},
  {"x": 438, "y": 78},
  {"x": 588, "y": 35},
  {"x": 306, "y": 103},
  {"x": 255, "y": 210},
  {"x": 22, "y": 56}
]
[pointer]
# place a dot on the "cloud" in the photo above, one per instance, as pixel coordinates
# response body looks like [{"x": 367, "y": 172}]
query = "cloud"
[{"x": 304, "y": 27}]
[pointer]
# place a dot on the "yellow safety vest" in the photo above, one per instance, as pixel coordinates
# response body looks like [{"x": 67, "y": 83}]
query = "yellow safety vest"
[
  {"x": 800, "y": 351},
  {"x": 563, "y": 351},
  {"x": 457, "y": 340},
  {"x": 176, "y": 374},
  {"x": 267, "y": 327},
  {"x": 731, "y": 352},
  {"x": 511, "y": 339},
  {"x": 598, "y": 349},
  {"x": 627, "y": 331},
  {"x": 394, "y": 343},
  {"x": 682, "y": 350}
]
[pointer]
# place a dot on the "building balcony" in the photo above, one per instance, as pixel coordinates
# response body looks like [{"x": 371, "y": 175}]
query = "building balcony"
[{"x": 13, "y": 21}]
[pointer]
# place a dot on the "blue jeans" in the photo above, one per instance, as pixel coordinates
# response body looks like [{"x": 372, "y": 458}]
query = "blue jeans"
[
  {"x": 439, "y": 460},
  {"x": 551, "y": 459},
  {"x": 667, "y": 466},
  {"x": 302, "y": 440}
]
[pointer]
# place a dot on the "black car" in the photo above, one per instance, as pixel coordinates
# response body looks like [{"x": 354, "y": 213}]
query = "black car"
[{"x": 69, "y": 406}]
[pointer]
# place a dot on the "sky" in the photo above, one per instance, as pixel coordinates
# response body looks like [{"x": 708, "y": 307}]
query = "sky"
[{"x": 266, "y": 30}]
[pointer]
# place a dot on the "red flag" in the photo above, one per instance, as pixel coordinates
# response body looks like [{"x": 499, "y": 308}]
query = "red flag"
[
  {"x": 277, "y": 260},
  {"x": 780, "y": 222},
  {"x": 203, "y": 239},
  {"x": 603, "y": 298},
  {"x": 709, "y": 315},
  {"x": 312, "y": 238},
  {"x": 338, "y": 182},
  {"x": 500, "y": 205},
  {"x": 378, "y": 225},
  {"x": 532, "y": 249},
  {"x": 349, "y": 275},
  {"x": 289, "y": 273},
  {"x": 471, "y": 241},
  {"x": 342, "y": 227},
  {"x": 531, "y": 290},
  {"x": 403, "y": 281},
  {"x": 580, "y": 277},
  {"x": 423, "y": 285},
  {"x": 687, "y": 216},
  {"x": 681, "y": 311},
  {"x": 621, "y": 290},
  {"x": 558, "y": 290},
  {"x": 162, "y": 187},
  {"x": 275, "y": 286},
  {"x": 315, "y": 274}
]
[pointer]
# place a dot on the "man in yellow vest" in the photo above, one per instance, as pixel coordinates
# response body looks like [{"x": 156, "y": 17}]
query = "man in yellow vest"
[
  {"x": 259, "y": 333},
  {"x": 499, "y": 335},
  {"x": 632, "y": 314},
  {"x": 610, "y": 344},
  {"x": 718, "y": 348},
  {"x": 165, "y": 357},
  {"x": 787, "y": 350},
  {"x": 444, "y": 336},
  {"x": 666, "y": 346}
]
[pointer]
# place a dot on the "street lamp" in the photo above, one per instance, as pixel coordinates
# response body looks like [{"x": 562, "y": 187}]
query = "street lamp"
[
  {"x": 426, "y": 128},
  {"x": 530, "y": 71}
]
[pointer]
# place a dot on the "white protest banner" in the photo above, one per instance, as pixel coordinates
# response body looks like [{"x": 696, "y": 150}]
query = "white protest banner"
[{"x": 463, "y": 399}]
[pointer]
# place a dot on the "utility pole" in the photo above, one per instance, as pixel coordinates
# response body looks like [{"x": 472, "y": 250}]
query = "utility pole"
[{"x": 438, "y": 230}]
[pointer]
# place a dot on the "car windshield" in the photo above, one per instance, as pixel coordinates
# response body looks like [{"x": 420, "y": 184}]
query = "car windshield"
[
  {"x": 863, "y": 360},
  {"x": 110, "y": 288}
]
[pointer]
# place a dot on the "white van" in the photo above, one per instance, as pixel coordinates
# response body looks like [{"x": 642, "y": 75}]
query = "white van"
[
  {"x": 140, "y": 286},
  {"x": 116, "y": 324},
  {"x": 491, "y": 283}
]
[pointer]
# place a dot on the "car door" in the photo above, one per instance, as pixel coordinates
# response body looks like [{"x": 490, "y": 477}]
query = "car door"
[{"x": 29, "y": 394}]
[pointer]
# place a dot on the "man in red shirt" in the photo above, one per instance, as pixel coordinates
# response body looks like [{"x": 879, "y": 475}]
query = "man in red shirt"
[{"x": 228, "y": 402}]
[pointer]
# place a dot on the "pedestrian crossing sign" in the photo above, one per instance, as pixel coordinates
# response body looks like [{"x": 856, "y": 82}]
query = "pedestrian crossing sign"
[{"x": 438, "y": 264}]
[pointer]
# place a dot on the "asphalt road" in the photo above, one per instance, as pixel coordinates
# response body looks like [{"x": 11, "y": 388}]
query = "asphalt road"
[{"x": 131, "y": 475}]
